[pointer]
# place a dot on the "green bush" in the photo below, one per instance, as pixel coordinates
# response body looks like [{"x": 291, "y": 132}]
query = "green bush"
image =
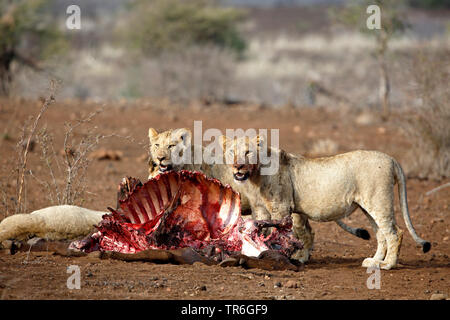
[
  {"x": 430, "y": 4},
  {"x": 27, "y": 35},
  {"x": 160, "y": 25}
]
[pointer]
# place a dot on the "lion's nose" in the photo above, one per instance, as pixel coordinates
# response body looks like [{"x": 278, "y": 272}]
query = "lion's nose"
[
  {"x": 161, "y": 158},
  {"x": 238, "y": 166}
]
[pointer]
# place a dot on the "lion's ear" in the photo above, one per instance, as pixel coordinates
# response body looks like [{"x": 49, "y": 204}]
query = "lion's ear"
[
  {"x": 182, "y": 133},
  {"x": 223, "y": 141},
  {"x": 152, "y": 133}
]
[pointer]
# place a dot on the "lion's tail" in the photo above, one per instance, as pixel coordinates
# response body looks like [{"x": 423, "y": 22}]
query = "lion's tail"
[{"x": 400, "y": 177}]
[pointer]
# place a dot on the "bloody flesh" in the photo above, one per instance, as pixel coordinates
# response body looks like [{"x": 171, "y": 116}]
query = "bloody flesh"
[{"x": 185, "y": 209}]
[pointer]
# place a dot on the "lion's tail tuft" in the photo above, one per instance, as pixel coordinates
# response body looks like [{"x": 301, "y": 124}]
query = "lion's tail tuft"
[{"x": 400, "y": 177}]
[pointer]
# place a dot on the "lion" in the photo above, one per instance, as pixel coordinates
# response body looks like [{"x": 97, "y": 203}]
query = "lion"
[
  {"x": 51, "y": 223},
  {"x": 178, "y": 140},
  {"x": 328, "y": 189}
]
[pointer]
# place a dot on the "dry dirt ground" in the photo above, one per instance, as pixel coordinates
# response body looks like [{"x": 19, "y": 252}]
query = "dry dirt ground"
[{"x": 334, "y": 271}]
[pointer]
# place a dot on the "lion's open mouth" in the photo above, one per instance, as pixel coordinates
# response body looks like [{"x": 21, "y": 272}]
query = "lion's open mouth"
[
  {"x": 240, "y": 176},
  {"x": 165, "y": 168}
]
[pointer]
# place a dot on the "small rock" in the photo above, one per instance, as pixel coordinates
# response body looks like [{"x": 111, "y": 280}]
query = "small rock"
[
  {"x": 438, "y": 296},
  {"x": 201, "y": 288},
  {"x": 291, "y": 284},
  {"x": 103, "y": 154},
  {"x": 277, "y": 284},
  {"x": 381, "y": 130}
]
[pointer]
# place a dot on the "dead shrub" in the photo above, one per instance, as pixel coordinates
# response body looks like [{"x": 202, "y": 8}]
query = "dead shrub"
[
  {"x": 66, "y": 179},
  {"x": 195, "y": 72},
  {"x": 427, "y": 125}
]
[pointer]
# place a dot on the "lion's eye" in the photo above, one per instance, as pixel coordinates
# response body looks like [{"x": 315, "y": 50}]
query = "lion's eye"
[
  {"x": 156, "y": 146},
  {"x": 171, "y": 146}
]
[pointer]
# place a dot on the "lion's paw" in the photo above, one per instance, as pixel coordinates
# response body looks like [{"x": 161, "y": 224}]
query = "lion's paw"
[
  {"x": 386, "y": 266},
  {"x": 301, "y": 255},
  {"x": 371, "y": 263}
]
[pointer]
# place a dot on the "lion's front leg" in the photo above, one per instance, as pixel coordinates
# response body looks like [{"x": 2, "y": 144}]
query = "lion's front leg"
[
  {"x": 302, "y": 231},
  {"x": 260, "y": 213}
]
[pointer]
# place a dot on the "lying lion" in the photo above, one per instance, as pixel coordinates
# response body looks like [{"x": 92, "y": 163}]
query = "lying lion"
[
  {"x": 327, "y": 189},
  {"x": 52, "y": 223}
]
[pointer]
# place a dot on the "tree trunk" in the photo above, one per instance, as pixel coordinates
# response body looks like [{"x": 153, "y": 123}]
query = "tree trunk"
[
  {"x": 384, "y": 90},
  {"x": 384, "y": 83},
  {"x": 6, "y": 77}
]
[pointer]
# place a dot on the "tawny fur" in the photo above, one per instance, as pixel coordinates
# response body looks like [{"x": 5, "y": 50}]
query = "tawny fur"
[
  {"x": 161, "y": 145},
  {"x": 331, "y": 188},
  {"x": 52, "y": 223},
  {"x": 161, "y": 148}
]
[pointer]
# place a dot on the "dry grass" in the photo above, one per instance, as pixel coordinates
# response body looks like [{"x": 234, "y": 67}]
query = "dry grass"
[
  {"x": 65, "y": 182},
  {"x": 61, "y": 170},
  {"x": 428, "y": 124}
]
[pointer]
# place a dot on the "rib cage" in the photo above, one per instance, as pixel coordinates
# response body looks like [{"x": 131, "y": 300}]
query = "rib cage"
[{"x": 202, "y": 202}]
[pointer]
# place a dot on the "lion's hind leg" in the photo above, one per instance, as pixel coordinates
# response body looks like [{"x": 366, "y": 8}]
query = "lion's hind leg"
[
  {"x": 394, "y": 236},
  {"x": 381, "y": 245},
  {"x": 389, "y": 237}
]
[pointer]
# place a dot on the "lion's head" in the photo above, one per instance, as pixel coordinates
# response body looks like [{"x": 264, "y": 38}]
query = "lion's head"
[
  {"x": 165, "y": 144},
  {"x": 242, "y": 154}
]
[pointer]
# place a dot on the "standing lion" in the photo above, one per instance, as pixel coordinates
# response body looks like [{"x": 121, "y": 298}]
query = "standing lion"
[{"x": 327, "y": 189}]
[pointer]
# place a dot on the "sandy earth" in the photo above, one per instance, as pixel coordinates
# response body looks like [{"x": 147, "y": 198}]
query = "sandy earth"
[{"x": 334, "y": 271}]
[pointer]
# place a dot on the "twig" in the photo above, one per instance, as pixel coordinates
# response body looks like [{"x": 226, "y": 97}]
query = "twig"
[
  {"x": 46, "y": 141},
  {"x": 44, "y": 107},
  {"x": 445, "y": 185}
]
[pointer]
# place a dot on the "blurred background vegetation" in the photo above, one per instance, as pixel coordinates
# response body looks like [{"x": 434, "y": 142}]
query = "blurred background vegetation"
[
  {"x": 264, "y": 51},
  {"x": 27, "y": 36},
  {"x": 169, "y": 25}
]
